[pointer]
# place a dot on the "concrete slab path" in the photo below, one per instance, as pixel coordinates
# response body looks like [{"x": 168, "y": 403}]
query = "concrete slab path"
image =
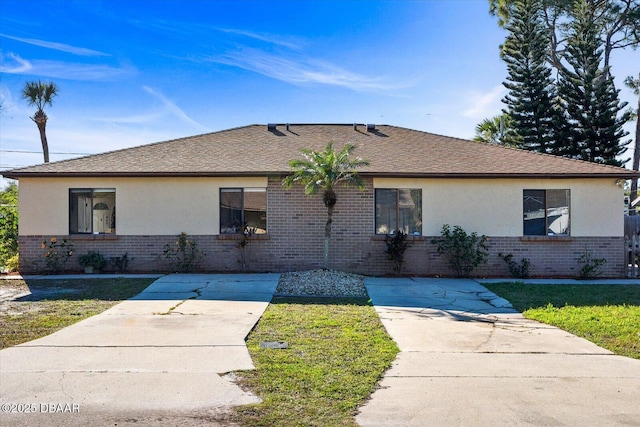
[
  {"x": 469, "y": 359},
  {"x": 151, "y": 358}
]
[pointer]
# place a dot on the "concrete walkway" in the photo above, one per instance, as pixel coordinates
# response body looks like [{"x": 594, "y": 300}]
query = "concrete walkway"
[
  {"x": 158, "y": 355},
  {"x": 468, "y": 359}
]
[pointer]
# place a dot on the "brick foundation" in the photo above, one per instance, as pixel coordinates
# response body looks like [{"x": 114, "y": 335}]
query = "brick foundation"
[{"x": 295, "y": 242}]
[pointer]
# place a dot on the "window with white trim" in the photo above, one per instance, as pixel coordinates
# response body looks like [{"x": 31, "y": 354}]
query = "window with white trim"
[
  {"x": 92, "y": 211},
  {"x": 546, "y": 212},
  {"x": 398, "y": 209},
  {"x": 243, "y": 207}
]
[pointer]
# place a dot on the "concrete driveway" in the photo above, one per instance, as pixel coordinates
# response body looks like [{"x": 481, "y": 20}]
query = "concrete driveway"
[
  {"x": 147, "y": 360},
  {"x": 468, "y": 359}
]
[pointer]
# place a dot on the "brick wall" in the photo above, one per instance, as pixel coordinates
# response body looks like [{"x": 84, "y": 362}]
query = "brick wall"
[{"x": 295, "y": 242}]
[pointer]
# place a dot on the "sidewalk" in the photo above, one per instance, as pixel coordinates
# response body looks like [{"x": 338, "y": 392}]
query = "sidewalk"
[
  {"x": 163, "y": 353},
  {"x": 468, "y": 359}
]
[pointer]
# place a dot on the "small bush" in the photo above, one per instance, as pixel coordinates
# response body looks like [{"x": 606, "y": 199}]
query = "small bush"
[
  {"x": 92, "y": 259},
  {"x": 590, "y": 267},
  {"x": 396, "y": 246},
  {"x": 465, "y": 251},
  {"x": 183, "y": 255},
  {"x": 121, "y": 263},
  {"x": 57, "y": 253},
  {"x": 12, "y": 264},
  {"x": 521, "y": 270}
]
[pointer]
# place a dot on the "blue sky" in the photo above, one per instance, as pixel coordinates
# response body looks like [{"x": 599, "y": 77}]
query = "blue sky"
[{"x": 135, "y": 72}]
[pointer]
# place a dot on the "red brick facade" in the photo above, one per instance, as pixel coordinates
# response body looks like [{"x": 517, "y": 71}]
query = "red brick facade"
[{"x": 295, "y": 224}]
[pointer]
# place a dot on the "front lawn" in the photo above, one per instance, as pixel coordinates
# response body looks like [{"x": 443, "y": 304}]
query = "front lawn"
[
  {"x": 56, "y": 303},
  {"x": 338, "y": 351},
  {"x": 608, "y": 315}
]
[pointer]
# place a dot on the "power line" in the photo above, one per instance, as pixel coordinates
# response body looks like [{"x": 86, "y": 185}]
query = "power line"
[{"x": 40, "y": 152}]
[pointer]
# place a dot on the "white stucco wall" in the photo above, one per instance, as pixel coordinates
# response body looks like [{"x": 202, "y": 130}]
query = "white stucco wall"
[
  {"x": 161, "y": 206},
  {"x": 145, "y": 206},
  {"x": 494, "y": 206}
]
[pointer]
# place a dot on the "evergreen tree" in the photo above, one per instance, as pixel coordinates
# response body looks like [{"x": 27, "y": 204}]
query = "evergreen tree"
[
  {"x": 531, "y": 90},
  {"x": 593, "y": 129}
]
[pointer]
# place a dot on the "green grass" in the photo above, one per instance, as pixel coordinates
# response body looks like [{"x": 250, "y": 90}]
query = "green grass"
[
  {"x": 608, "y": 315},
  {"x": 55, "y": 304},
  {"x": 338, "y": 351}
]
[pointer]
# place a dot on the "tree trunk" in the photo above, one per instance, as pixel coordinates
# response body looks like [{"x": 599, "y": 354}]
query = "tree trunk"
[
  {"x": 327, "y": 236},
  {"x": 40, "y": 118},
  {"x": 636, "y": 163}
]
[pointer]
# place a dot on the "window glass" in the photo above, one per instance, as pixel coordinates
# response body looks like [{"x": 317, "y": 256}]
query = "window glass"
[
  {"x": 546, "y": 212},
  {"x": 240, "y": 207},
  {"x": 92, "y": 211},
  {"x": 398, "y": 209}
]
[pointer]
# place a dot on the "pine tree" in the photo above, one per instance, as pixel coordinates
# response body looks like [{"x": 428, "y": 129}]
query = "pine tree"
[
  {"x": 531, "y": 90},
  {"x": 591, "y": 104}
]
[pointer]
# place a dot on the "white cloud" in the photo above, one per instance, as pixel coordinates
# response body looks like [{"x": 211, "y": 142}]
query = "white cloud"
[
  {"x": 58, "y": 46},
  {"x": 14, "y": 64},
  {"x": 287, "y": 42},
  {"x": 63, "y": 70},
  {"x": 482, "y": 105},
  {"x": 302, "y": 70},
  {"x": 174, "y": 109}
]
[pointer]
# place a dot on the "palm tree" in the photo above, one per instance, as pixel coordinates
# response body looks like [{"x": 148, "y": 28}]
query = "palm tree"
[
  {"x": 40, "y": 94},
  {"x": 324, "y": 170}
]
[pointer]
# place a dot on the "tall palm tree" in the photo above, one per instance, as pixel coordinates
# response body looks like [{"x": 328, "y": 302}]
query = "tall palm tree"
[
  {"x": 40, "y": 94},
  {"x": 324, "y": 170}
]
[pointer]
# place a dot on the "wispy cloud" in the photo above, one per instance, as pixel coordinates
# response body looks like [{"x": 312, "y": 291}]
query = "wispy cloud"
[
  {"x": 481, "y": 105},
  {"x": 174, "y": 109},
  {"x": 301, "y": 71},
  {"x": 288, "y": 42},
  {"x": 58, "y": 46},
  {"x": 14, "y": 64}
]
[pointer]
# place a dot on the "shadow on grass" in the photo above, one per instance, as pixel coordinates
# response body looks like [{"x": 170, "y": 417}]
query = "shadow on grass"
[
  {"x": 108, "y": 289},
  {"x": 525, "y": 296}
]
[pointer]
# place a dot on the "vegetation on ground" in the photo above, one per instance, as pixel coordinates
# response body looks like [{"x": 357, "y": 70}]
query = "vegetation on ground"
[
  {"x": 607, "y": 315},
  {"x": 337, "y": 353},
  {"x": 56, "y": 303}
]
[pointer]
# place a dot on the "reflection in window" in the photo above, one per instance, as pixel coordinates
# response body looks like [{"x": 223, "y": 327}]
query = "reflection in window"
[
  {"x": 243, "y": 207},
  {"x": 546, "y": 212},
  {"x": 399, "y": 209},
  {"x": 92, "y": 211}
]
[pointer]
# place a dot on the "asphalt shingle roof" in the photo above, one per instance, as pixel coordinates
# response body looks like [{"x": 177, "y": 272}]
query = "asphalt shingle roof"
[{"x": 257, "y": 150}]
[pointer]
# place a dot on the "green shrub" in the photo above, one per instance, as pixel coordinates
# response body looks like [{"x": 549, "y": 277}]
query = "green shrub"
[
  {"x": 521, "y": 270},
  {"x": 121, "y": 263},
  {"x": 92, "y": 259},
  {"x": 590, "y": 267},
  {"x": 57, "y": 253},
  {"x": 465, "y": 251},
  {"x": 12, "y": 264},
  {"x": 183, "y": 255},
  {"x": 396, "y": 246}
]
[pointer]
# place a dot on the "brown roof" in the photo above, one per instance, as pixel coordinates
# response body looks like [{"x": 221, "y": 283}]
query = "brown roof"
[{"x": 258, "y": 150}]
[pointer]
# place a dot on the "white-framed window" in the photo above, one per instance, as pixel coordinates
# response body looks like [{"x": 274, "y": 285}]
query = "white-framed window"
[
  {"x": 546, "y": 212},
  {"x": 92, "y": 211},
  {"x": 243, "y": 207},
  {"x": 398, "y": 209}
]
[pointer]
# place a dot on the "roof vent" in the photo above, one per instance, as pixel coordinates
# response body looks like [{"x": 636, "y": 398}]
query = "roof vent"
[
  {"x": 371, "y": 127},
  {"x": 271, "y": 126},
  {"x": 287, "y": 127},
  {"x": 355, "y": 126}
]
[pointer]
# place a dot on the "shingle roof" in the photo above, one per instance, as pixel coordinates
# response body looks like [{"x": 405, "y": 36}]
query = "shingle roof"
[{"x": 258, "y": 150}]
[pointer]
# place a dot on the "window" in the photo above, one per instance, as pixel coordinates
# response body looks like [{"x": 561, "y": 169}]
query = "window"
[
  {"x": 546, "y": 212},
  {"x": 241, "y": 207},
  {"x": 399, "y": 209},
  {"x": 92, "y": 211}
]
